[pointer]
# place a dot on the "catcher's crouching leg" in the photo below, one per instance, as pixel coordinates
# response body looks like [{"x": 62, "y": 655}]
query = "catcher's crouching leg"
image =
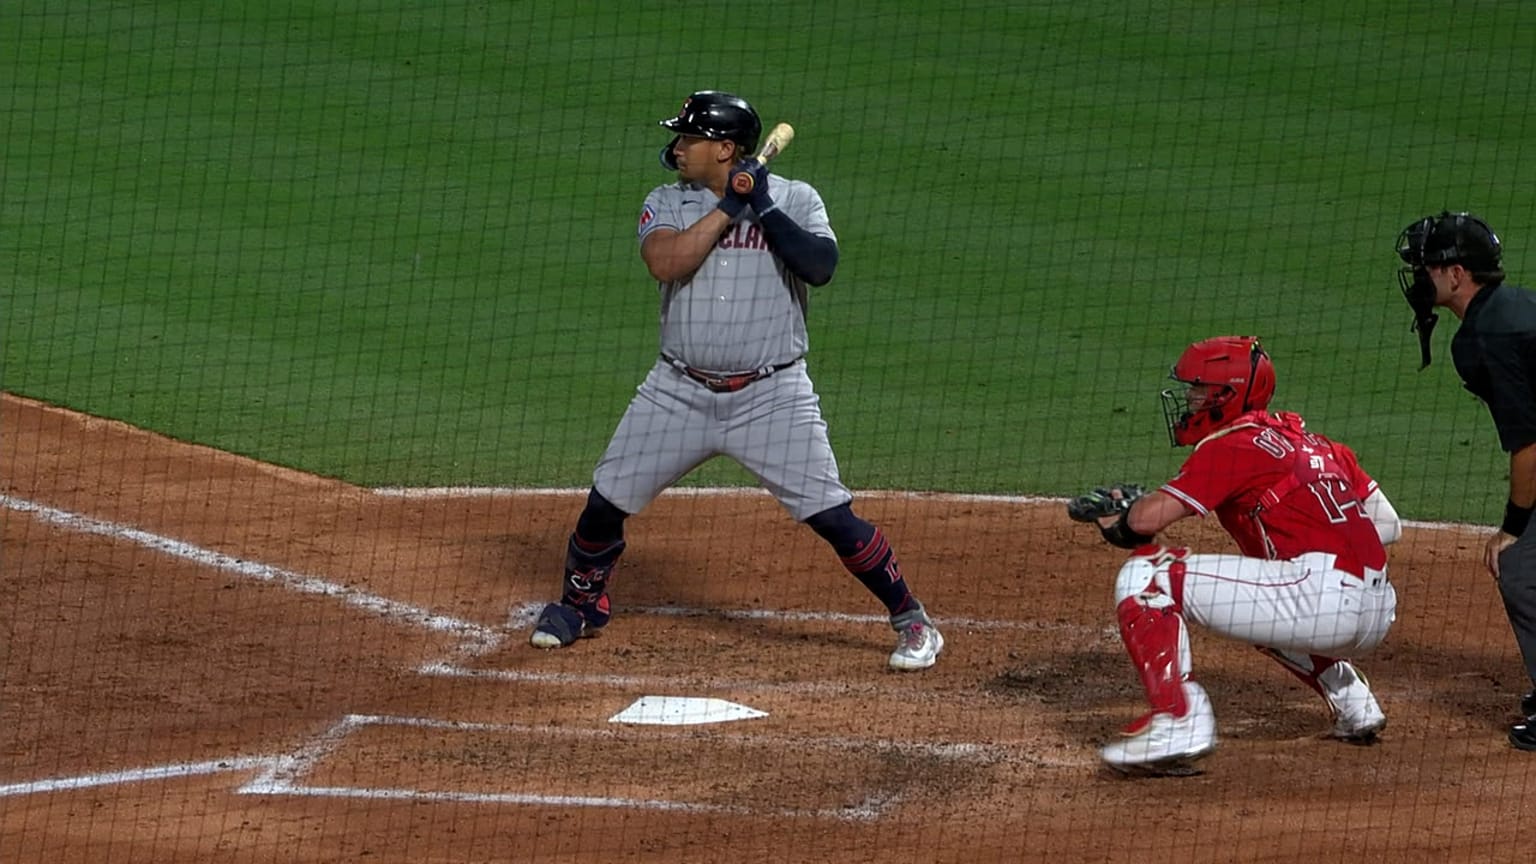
[
  {"x": 591, "y": 554},
  {"x": 1181, "y": 725},
  {"x": 1357, "y": 716}
]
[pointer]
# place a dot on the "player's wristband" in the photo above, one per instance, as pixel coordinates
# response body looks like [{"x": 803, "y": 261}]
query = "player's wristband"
[
  {"x": 1120, "y": 533},
  {"x": 1515, "y": 519}
]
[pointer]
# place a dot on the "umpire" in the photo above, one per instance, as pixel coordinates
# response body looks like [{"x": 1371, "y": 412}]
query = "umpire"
[{"x": 1453, "y": 260}]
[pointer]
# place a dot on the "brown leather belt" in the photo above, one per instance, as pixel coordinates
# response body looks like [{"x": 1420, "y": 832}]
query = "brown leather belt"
[{"x": 728, "y": 382}]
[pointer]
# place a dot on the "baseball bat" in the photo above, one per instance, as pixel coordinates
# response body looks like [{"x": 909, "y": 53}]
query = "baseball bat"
[{"x": 778, "y": 138}]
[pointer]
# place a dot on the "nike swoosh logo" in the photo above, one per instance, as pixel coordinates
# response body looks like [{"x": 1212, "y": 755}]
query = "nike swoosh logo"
[{"x": 690, "y": 201}]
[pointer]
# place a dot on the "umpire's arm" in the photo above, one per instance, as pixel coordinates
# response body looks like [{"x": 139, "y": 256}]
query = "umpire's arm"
[{"x": 1522, "y": 476}]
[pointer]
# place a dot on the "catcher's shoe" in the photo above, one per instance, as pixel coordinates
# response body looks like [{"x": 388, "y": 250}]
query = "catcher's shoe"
[
  {"x": 1164, "y": 744},
  {"x": 559, "y": 625},
  {"x": 1357, "y": 718},
  {"x": 918, "y": 642},
  {"x": 1528, "y": 704}
]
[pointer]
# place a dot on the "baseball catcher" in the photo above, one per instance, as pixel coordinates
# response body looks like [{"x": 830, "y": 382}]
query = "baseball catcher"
[{"x": 1309, "y": 589}]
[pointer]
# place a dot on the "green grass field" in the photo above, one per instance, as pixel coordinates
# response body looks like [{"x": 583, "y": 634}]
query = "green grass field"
[{"x": 396, "y": 245}]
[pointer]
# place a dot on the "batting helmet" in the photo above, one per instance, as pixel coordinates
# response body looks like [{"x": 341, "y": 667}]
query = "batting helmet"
[
  {"x": 717, "y": 116},
  {"x": 1237, "y": 377}
]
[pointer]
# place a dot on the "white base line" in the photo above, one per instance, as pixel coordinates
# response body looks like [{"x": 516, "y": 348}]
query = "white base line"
[
  {"x": 384, "y": 607},
  {"x": 523, "y": 616},
  {"x": 899, "y": 688},
  {"x": 283, "y": 771},
  {"x": 135, "y": 775},
  {"x": 869, "y": 810},
  {"x": 751, "y": 491}
]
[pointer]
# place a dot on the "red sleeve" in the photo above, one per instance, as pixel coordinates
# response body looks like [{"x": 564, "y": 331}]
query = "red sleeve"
[
  {"x": 1209, "y": 476},
  {"x": 1362, "y": 482}
]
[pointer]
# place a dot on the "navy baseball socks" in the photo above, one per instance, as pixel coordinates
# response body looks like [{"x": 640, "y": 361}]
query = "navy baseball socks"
[
  {"x": 867, "y": 555},
  {"x": 583, "y": 609}
]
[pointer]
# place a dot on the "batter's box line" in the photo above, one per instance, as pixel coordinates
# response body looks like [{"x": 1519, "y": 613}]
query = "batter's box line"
[
  {"x": 136, "y": 775},
  {"x": 474, "y": 638},
  {"x": 523, "y": 616},
  {"x": 663, "y": 683},
  {"x": 284, "y": 774}
]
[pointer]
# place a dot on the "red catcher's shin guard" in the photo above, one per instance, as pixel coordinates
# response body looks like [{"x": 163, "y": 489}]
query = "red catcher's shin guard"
[{"x": 1152, "y": 637}]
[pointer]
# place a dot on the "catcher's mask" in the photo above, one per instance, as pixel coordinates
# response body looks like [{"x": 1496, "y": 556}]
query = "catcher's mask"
[
  {"x": 1445, "y": 240},
  {"x": 1224, "y": 378},
  {"x": 717, "y": 116}
]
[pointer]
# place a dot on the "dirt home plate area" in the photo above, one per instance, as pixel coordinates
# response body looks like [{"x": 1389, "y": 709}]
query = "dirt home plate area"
[{"x": 208, "y": 658}]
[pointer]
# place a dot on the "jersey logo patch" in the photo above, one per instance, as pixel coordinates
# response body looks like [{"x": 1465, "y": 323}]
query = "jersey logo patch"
[{"x": 646, "y": 216}]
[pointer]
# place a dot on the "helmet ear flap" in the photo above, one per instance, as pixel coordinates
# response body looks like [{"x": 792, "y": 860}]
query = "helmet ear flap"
[{"x": 668, "y": 158}]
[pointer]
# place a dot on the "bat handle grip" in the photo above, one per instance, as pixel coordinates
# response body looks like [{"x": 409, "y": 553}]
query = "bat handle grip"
[{"x": 743, "y": 182}]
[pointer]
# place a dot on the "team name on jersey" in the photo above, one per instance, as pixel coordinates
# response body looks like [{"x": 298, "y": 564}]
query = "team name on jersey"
[{"x": 744, "y": 235}]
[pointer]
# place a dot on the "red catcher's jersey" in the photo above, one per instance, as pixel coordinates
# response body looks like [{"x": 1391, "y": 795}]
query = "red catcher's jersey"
[{"x": 1282, "y": 491}]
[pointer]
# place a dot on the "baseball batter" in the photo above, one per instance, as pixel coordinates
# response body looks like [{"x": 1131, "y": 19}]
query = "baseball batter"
[
  {"x": 733, "y": 271},
  {"x": 1310, "y": 587}
]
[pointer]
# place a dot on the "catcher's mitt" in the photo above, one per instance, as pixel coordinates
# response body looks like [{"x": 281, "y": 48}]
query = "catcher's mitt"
[{"x": 1104, "y": 501}]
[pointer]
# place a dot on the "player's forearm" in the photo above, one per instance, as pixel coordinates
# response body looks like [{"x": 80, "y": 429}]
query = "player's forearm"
[
  {"x": 1154, "y": 512},
  {"x": 674, "y": 256},
  {"x": 811, "y": 257}
]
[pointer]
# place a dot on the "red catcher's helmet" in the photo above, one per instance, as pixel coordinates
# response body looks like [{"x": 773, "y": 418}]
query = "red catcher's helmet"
[{"x": 1233, "y": 376}]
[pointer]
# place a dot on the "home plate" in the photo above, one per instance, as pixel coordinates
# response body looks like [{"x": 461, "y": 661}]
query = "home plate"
[{"x": 683, "y": 711}]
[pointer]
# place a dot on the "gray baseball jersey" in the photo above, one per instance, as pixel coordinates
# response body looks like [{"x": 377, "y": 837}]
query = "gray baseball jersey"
[{"x": 742, "y": 310}]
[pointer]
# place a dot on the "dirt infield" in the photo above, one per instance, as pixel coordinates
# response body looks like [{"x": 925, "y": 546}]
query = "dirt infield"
[{"x": 207, "y": 658}]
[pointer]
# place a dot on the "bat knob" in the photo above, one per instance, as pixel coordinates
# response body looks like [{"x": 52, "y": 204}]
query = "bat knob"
[{"x": 742, "y": 183}]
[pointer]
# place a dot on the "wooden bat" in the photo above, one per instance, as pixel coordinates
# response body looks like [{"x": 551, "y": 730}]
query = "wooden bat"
[{"x": 778, "y": 138}]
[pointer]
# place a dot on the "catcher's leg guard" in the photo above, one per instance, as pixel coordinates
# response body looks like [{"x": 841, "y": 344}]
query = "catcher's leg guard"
[
  {"x": 1181, "y": 725},
  {"x": 1357, "y": 717},
  {"x": 1148, "y": 595}
]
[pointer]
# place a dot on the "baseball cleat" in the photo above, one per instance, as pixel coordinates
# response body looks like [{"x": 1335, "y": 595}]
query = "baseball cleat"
[
  {"x": 1357, "y": 718},
  {"x": 1164, "y": 744},
  {"x": 559, "y": 625},
  {"x": 1522, "y": 736},
  {"x": 1528, "y": 704},
  {"x": 918, "y": 642}
]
